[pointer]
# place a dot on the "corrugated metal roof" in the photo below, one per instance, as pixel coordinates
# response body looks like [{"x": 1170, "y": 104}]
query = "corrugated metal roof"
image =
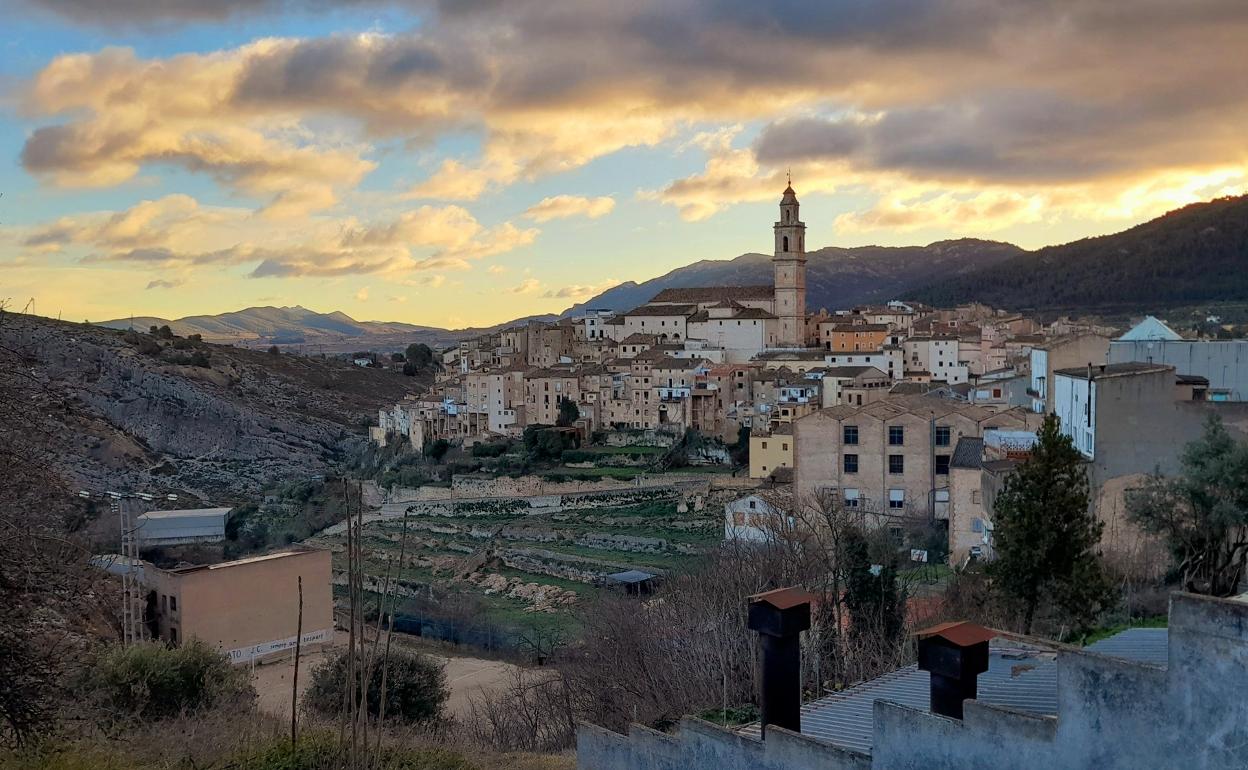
[
  {"x": 1144, "y": 645},
  {"x": 1018, "y": 678}
]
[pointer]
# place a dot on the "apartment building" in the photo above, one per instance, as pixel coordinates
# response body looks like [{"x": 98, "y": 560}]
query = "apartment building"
[
  {"x": 771, "y": 449},
  {"x": 938, "y": 355},
  {"x": 1064, "y": 352},
  {"x": 840, "y": 337},
  {"x": 891, "y": 457}
]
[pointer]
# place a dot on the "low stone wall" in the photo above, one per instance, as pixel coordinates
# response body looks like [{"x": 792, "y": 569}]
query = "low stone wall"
[{"x": 639, "y": 438}]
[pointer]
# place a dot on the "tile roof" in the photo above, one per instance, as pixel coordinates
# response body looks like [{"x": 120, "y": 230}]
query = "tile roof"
[
  {"x": 662, "y": 310},
  {"x": 715, "y": 293},
  {"x": 969, "y": 452}
]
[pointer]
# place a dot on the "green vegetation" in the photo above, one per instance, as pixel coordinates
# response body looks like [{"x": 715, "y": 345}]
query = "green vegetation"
[
  {"x": 1097, "y": 634},
  {"x": 415, "y": 686},
  {"x": 151, "y": 681},
  {"x": 1202, "y": 514},
  {"x": 1164, "y": 262},
  {"x": 1046, "y": 537},
  {"x": 733, "y": 716}
]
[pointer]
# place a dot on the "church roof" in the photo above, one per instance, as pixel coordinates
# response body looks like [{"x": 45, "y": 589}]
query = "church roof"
[{"x": 715, "y": 294}]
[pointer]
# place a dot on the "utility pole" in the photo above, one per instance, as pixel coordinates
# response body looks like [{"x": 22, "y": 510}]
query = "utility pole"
[{"x": 132, "y": 602}]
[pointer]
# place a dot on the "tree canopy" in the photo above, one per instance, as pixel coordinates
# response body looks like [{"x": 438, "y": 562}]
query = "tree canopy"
[
  {"x": 1046, "y": 536},
  {"x": 1202, "y": 514}
]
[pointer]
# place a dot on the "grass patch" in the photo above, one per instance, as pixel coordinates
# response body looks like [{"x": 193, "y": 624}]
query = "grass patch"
[{"x": 1097, "y": 634}]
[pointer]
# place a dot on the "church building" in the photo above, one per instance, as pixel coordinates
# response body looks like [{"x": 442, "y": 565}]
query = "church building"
[{"x": 742, "y": 320}]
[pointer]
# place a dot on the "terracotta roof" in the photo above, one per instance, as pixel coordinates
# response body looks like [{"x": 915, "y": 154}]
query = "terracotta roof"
[
  {"x": 784, "y": 598},
  {"x": 662, "y": 310},
  {"x": 961, "y": 633},
  {"x": 715, "y": 293}
]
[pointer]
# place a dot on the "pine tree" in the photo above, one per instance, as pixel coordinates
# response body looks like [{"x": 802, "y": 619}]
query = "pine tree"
[
  {"x": 1046, "y": 536},
  {"x": 1203, "y": 512},
  {"x": 877, "y": 606}
]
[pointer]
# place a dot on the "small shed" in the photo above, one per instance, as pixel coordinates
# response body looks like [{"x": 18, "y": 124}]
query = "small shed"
[
  {"x": 633, "y": 582},
  {"x": 194, "y": 525}
]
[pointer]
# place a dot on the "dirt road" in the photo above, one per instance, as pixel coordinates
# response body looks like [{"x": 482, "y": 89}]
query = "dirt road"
[{"x": 466, "y": 677}]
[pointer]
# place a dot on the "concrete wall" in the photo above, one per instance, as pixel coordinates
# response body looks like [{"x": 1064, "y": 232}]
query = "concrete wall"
[
  {"x": 1223, "y": 362},
  {"x": 252, "y": 603},
  {"x": 1111, "y": 714}
]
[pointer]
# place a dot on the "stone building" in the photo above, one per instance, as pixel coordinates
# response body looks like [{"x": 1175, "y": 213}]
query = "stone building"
[{"x": 891, "y": 458}]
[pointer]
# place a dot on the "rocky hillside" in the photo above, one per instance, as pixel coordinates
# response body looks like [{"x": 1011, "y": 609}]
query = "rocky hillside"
[
  {"x": 122, "y": 410},
  {"x": 835, "y": 277},
  {"x": 1196, "y": 254}
]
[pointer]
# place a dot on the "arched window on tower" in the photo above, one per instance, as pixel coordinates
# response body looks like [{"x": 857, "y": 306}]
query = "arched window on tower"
[
  {"x": 786, "y": 216},
  {"x": 799, "y": 243},
  {"x": 785, "y": 243}
]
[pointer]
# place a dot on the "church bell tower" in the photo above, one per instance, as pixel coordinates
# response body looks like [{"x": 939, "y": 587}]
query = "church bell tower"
[{"x": 790, "y": 265}]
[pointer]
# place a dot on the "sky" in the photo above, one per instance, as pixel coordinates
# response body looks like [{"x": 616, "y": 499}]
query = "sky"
[{"x": 467, "y": 162}]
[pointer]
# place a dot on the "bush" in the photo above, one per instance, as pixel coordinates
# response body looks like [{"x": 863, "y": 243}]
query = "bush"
[
  {"x": 415, "y": 687},
  {"x": 152, "y": 681},
  {"x": 577, "y": 456},
  {"x": 437, "y": 449},
  {"x": 496, "y": 449}
]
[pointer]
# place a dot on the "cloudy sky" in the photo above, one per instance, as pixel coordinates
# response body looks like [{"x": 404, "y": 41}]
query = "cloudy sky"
[{"x": 470, "y": 161}]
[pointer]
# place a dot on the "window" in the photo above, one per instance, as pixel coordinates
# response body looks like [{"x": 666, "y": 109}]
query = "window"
[
  {"x": 851, "y": 435},
  {"x": 752, "y": 505},
  {"x": 942, "y": 436},
  {"x": 896, "y": 464},
  {"x": 942, "y": 465},
  {"x": 975, "y": 496},
  {"x": 764, "y": 445},
  {"x": 786, "y": 243},
  {"x": 977, "y": 524},
  {"x": 896, "y": 435},
  {"x": 784, "y": 447},
  {"x": 851, "y": 463},
  {"x": 851, "y": 498},
  {"x": 173, "y": 604},
  {"x": 173, "y": 636},
  {"x": 896, "y": 498}
]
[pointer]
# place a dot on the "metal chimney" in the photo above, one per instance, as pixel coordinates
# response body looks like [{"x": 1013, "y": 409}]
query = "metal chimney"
[
  {"x": 955, "y": 654},
  {"x": 780, "y": 617}
]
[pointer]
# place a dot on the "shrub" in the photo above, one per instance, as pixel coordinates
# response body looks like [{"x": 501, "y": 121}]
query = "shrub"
[
  {"x": 577, "y": 456},
  {"x": 495, "y": 449},
  {"x": 415, "y": 687},
  {"x": 437, "y": 449},
  {"x": 152, "y": 681}
]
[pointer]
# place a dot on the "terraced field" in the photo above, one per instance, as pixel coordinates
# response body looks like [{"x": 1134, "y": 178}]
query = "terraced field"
[{"x": 527, "y": 568}]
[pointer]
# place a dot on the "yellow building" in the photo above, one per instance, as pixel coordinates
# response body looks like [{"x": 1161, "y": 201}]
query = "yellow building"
[
  {"x": 248, "y": 609},
  {"x": 769, "y": 451}
]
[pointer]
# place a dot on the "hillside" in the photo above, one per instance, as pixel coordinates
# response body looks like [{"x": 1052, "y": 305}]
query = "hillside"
[
  {"x": 293, "y": 326},
  {"x": 1198, "y": 253},
  {"x": 120, "y": 410},
  {"x": 835, "y": 277}
]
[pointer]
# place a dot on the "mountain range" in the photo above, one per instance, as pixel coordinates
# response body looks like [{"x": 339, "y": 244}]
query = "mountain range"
[{"x": 1198, "y": 253}]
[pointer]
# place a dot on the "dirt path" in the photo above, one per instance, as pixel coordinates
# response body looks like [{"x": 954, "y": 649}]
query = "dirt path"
[{"x": 466, "y": 677}]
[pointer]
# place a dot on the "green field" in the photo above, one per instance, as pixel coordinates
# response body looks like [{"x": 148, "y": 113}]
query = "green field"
[{"x": 566, "y": 544}]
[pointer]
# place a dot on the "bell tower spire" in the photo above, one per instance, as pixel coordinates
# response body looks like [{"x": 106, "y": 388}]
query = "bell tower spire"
[{"x": 790, "y": 269}]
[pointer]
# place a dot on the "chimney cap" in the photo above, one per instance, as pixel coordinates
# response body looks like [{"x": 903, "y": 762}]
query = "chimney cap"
[
  {"x": 959, "y": 632},
  {"x": 783, "y": 598}
]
